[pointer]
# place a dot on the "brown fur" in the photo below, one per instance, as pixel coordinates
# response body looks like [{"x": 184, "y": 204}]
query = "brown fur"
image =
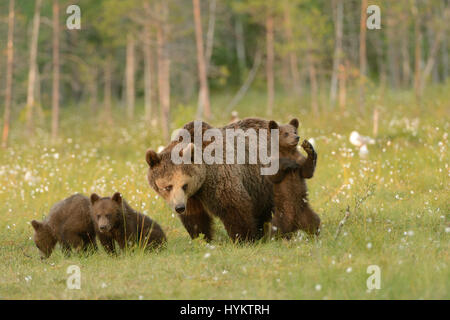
[
  {"x": 237, "y": 194},
  {"x": 292, "y": 210},
  {"x": 68, "y": 223},
  {"x": 115, "y": 220}
]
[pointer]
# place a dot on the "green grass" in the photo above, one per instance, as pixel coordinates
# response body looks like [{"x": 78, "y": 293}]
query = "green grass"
[{"x": 400, "y": 225}]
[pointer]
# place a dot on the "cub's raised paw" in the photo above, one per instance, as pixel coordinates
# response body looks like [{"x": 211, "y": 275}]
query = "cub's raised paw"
[{"x": 307, "y": 146}]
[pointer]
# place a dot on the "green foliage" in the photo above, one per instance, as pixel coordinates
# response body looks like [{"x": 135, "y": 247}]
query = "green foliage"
[{"x": 398, "y": 198}]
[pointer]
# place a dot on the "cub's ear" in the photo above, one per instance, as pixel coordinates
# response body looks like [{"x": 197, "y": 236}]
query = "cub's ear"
[
  {"x": 117, "y": 197},
  {"x": 36, "y": 225},
  {"x": 152, "y": 158},
  {"x": 189, "y": 149},
  {"x": 273, "y": 125},
  {"x": 94, "y": 198},
  {"x": 294, "y": 122}
]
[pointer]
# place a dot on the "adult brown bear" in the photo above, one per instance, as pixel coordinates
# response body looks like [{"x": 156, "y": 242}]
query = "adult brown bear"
[{"x": 237, "y": 194}]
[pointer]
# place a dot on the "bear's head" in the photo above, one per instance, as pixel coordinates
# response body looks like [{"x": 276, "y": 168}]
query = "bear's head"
[
  {"x": 106, "y": 212},
  {"x": 176, "y": 183},
  {"x": 43, "y": 238},
  {"x": 288, "y": 137}
]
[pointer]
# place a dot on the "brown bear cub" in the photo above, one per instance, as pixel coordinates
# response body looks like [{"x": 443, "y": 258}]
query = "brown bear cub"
[
  {"x": 115, "y": 220},
  {"x": 69, "y": 223},
  {"x": 292, "y": 211}
]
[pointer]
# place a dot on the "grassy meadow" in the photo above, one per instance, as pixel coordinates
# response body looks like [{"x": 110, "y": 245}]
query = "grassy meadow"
[{"x": 398, "y": 197}]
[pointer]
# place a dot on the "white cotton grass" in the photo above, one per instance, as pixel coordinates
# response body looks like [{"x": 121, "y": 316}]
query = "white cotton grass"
[{"x": 361, "y": 142}]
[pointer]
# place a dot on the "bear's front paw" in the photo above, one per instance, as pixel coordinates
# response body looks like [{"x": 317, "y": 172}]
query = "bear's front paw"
[{"x": 307, "y": 146}]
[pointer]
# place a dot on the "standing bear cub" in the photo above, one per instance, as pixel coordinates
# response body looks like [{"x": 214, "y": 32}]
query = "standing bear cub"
[
  {"x": 115, "y": 220},
  {"x": 291, "y": 208},
  {"x": 69, "y": 223}
]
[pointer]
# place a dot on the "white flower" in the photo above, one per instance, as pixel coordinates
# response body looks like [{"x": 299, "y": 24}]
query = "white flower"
[
  {"x": 369, "y": 245},
  {"x": 318, "y": 287},
  {"x": 349, "y": 269},
  {"x": 207, "y": 255}
]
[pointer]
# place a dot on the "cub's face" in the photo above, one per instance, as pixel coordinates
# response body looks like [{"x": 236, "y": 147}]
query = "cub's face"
[
  {"x": 43, "y": 238},
  {"x": 106, "y": 212},
  {"x": 175, "y": 183},
  {"x": 288, "y": 136}
]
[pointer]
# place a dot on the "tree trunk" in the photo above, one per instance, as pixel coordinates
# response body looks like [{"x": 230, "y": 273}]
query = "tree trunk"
[
  {"x": 406, "y": 70},
  {"x": 201, "y": 63},
  {"x": 148, "y": 72},
  {"x": 210, "y": 33},
  {"x": 417, "y": 53},
  {"x": 293, "y": 61},
  {"x": 32, "y": 74},
  {"x": 163, "y": 71},
  {"x": 55, "y": 91},
  {"x": 392, "y": 53},
  {"x": 337, "y": 49},
  {"x": 107, "y": 90},
  {"x": 9, "y": 75},
  {"x": 444, "y": 54},
  {"x": 432, "y": 54},
  {"x": 362, "y": 56},
  {"x": 269, "y": 63},
  {"x": 379, "y": 47},
  {"x": 312, "y": 78},
  {"x": 434, "y": 69},
  {"x": 343, "y": 86},
  {"x": 130, "y": 66},
  {"x": 240, "y": 46}
]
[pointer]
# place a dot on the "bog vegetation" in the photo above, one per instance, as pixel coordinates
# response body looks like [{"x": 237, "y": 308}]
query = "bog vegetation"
[{"x": 81, "y": 107}]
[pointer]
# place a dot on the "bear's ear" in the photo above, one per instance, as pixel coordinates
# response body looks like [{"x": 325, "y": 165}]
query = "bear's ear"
[
  {"x": 94, "y": 198},
  {"x": 117, "y": 197},
  {"x": 189, "y": 149},
  {"x": 294, "y": 122},
  {"x": 273, "y": 125},
  {"x": 36, "y": 225},
  {"x": 152, "y": 158}
]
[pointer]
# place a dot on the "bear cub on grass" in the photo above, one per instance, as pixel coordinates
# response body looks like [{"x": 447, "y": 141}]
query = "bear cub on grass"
[
  {"x": 292, "y": 211},
  {"x": 115, "y": 220},
  {"x": 69, "y": 223}
]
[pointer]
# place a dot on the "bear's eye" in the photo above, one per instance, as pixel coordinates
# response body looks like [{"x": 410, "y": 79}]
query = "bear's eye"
[
  {"x": 168, "y": 188},
  {"x": 98, "y": 216},
  {"x": 109, "y": 215},
  {"x": 185, "y": 187},
  {"x": 286, "y": 134}
]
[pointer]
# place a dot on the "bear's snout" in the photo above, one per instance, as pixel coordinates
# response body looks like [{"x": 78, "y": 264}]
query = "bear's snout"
[
  {"x": 179, "y": 208},
  {"x": 103, "y": 228}
]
